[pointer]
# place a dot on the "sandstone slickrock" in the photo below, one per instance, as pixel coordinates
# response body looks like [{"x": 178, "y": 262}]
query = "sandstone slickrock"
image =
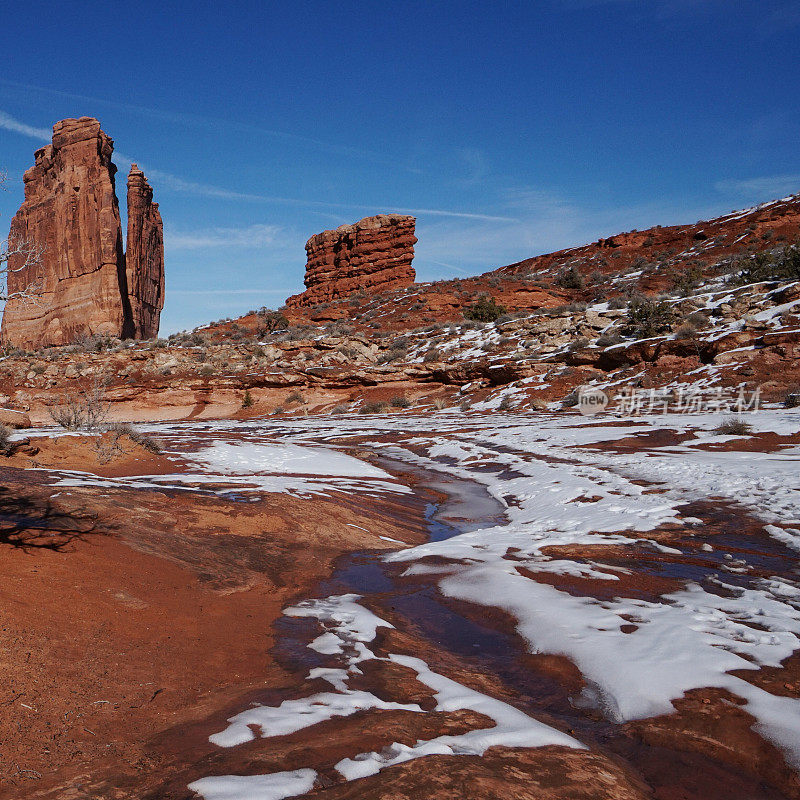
[
  {"x": 373, "y": 254},
  {"x": 144, "y": 258},
  {"x": 71, "y": 214}
]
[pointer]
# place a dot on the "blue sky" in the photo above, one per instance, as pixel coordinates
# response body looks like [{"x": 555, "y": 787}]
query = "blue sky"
[{"x": 509, "y": 129}]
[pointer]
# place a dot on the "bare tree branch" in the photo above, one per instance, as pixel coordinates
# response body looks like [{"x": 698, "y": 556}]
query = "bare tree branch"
[{"x": 28, "y": 257}]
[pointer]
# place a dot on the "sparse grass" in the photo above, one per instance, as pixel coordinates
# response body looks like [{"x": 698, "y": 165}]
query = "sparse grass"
[
  {"x": 439, "y": 403},
  {"x": 733, "y": 426}
]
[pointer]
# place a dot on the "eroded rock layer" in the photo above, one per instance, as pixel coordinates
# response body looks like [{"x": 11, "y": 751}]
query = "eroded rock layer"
[
  {"x": 77, "y": 283},
  {"x": 144, "y": 258},
  {"x": 374, "y": 254}
]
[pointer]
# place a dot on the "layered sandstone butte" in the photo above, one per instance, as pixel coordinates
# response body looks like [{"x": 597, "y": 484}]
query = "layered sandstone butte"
[
  {"x": 374, "y": 254},
  {"x": 80, "y": 285},
  {"x": 144, "y": 258}
]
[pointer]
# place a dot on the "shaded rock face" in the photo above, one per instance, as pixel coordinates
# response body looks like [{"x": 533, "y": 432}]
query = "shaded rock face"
[
  {"x": 144, "y": 259},
  {"x": 374, "y": 254},
  {"x": 71, "y": 213}
]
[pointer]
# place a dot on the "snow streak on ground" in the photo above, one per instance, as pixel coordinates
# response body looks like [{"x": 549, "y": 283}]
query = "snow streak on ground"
[{"x": 348, "y": 629}]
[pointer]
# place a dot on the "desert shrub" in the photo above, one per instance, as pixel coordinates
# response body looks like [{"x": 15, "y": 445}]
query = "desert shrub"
[
  {"x": 506, "y": 404},
  {"x": 578, "y": 344},
  {"x": 485, "y": 309},
  {"x": 648, "y": 317},
  {"x": 206, "y": 369},
  {"x": 781, "y": 265},
  {"x": 82, "y": 410},
  {"x": 687, "y": 280},
  {"x": 120, "y": 429},
  {"x": 294, "y": 397},
  {"x": 247, "y": 400},
  {"x": 373, "y": 407},
  {"x": 439, "y": 403},
  {"x": 686, "y": 331},
  {"x": 432, "y": 354},
  {"x": 596, "y": 277},
  {"x": 569, "y": 278},
  {"x": 400, "y": 401},
  {"x": 277, "y": 410},
  {"x": 608, "y": 339},
  {"x": 339, "y": 408},
  {"x": 465, "y": 405},
  {"x": 792, "y": 399},
  {"x": 733, "y": 426},
  {"x": 697, "y": 319},
  {"x": 617, "y": 303},
  {"x": 395, "y": 354}
]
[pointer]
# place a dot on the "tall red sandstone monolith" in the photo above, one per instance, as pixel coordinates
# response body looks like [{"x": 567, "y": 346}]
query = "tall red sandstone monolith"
[
  {"x": 374, "y": 254},
  {"x": 144, "y": 257},
  {"x": 80, "y": 285},
  {"x": 71, "y": 214}
]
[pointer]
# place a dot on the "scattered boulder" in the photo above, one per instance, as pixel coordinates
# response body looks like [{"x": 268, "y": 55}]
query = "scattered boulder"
[{"x": 14, "y": 419}]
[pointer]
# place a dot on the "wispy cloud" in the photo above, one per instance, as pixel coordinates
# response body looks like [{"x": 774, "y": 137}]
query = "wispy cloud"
[
  {"x": 178, "y": 184},
  {"x": 9, "y": 123},
  {"x": 764, "y": 187},
  {"x": 215, "y": 123},
  {"x": 251, "y": 236}
]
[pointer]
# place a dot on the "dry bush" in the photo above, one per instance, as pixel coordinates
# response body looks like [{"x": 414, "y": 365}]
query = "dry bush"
[
  {"x": 733, "y": 426},
  {"x": 82, "y": 410},
  {"x": 373, "y": 407}
]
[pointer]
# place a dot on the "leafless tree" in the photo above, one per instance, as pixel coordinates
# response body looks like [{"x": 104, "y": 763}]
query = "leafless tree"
[{"x": 27, "y": 256}]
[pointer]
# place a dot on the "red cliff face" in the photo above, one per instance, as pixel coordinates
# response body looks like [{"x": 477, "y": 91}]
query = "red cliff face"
[
  {"x": 71, "y": 215},
  {"x": 144, "y": 258},
  {"x": 374, "y": 254}
]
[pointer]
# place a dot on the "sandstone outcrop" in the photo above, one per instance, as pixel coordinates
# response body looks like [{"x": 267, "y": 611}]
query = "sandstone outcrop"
[
  {"x": 144, "y": 257},
  {"x": 71, "y": 216},
  {"x": 374, "y": 254}
]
